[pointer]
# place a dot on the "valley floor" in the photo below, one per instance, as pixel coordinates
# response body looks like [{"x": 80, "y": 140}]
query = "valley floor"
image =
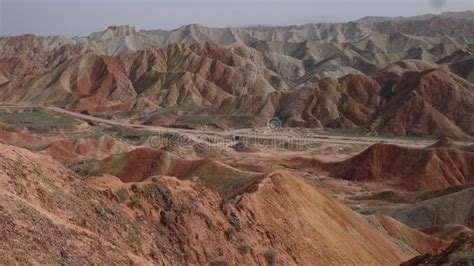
[{"x": 371, "y": 175}]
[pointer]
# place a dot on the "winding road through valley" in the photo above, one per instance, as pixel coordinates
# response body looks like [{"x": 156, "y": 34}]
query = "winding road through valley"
[{"x": 260, "y": 134}]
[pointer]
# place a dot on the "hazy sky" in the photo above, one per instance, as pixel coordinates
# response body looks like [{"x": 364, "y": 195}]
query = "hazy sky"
[{"x": 81, "y": 17}]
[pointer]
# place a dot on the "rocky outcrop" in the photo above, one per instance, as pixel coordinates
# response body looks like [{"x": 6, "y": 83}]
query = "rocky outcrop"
[
  {"x": 447, "y": 231},
  {"x": 458, "y": 253}
]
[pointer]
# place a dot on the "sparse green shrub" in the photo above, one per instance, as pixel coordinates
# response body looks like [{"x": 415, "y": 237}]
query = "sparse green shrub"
[
  {"x": 229, "y": 233},
  {"x": 167, "y": 218},
  {"x": 244, "y": 248},
  {"x": 270, "y": 256},
  {"x": 122, "y": 195},
  {"x": 135, "y": 187},
  {"x": 134, "y": 203},
  {"x": 219, "y": 263}
]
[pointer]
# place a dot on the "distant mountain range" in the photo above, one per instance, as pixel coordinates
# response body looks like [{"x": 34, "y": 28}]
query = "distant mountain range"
[
  {"x": 402, "y": 76},
  {"x": 468, "y": 15}
]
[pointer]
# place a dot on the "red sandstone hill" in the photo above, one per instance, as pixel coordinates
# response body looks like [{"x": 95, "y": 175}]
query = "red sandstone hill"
[
  {"x": 410, "y": 169},
  {"x": 433, "y": 102},
  {"x": 164, "y": 220},
  {"x": 420, "y": 241},
  {"x": 142, "y": 163},
  {"x": 66, "y": 149},
  {"x": 177, "y": 75}
]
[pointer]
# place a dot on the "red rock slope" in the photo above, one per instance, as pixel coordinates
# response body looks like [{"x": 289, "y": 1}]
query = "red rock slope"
[
  {"x": 433, "y": 102},
  {"x": 240, "y": 86},
  {"x": 167, "y": 221},
  {"x": 410, "y": 169}
]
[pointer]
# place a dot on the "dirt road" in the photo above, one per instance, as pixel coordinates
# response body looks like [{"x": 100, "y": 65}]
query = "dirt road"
[{"x": 263, "y": 134}]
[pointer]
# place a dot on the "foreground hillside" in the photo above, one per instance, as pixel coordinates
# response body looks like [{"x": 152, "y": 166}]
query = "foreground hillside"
[
  {"x": 134, "y": 195},
  {"x": 165, "y": 220}
]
